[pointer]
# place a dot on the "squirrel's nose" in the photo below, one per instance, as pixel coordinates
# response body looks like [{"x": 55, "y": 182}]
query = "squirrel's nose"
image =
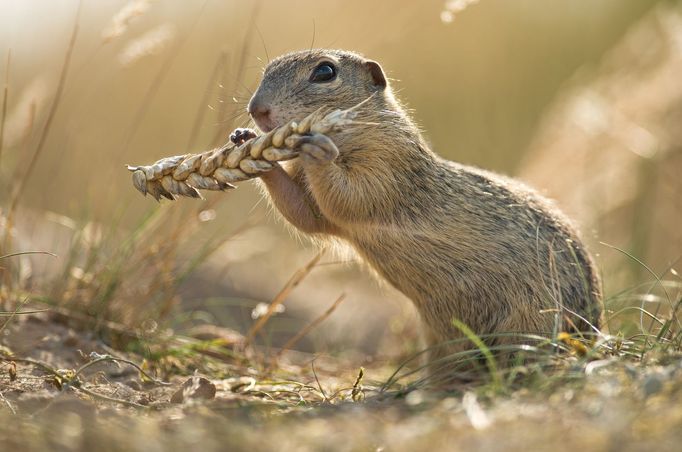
[{"x": 258, "y": 109}]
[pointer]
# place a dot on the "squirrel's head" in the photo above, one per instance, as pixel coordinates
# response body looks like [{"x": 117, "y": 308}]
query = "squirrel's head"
[{"x": 297, "y": 84}]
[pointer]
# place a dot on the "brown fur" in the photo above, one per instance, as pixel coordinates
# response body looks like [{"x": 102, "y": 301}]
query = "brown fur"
[{"x": 459, "y": 241}]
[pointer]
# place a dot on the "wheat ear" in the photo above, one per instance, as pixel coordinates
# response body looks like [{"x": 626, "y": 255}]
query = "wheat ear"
[{"x": 184, "y": 175}]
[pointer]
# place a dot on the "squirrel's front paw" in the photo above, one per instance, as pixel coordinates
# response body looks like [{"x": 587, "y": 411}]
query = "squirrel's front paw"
[
  {"x": 242, "y": 135},
  {"x": 316, "y": 148}
]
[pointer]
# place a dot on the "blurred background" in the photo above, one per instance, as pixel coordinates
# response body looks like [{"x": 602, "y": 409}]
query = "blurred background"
[{"x": 583, "y": 100}]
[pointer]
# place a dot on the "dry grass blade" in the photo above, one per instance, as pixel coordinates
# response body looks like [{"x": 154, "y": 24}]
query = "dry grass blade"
[
  {"x": 9, "y": 405},
  {"x": 23, "y": 253},
  {"x": 21, "y": 182},
  {"x": 325, "y": 398},
  {"x": 4, "y": 102},
  {"x": 25, "y": 312},
  {"x": 219, "y": 65},
  {"x": 160, "y": 76},
  {"x": 6, "y": 243},
  {"x": 13, "y": 314},
  {"x": 309, "y": 327},
  {"x": 184, "y": 175},
  {"x": 241, "y": 68},
  {"x": 50, "y": 117},
  {"x": 294, "y": 281},
  {"x": 357, "y": 393},
  {"x": 654, "y": 275}
]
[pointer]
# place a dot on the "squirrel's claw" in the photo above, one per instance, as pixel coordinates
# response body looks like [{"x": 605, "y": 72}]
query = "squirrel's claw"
[
  {"x": 316, "y": 148},
  {"x": 241, "y": 135}
]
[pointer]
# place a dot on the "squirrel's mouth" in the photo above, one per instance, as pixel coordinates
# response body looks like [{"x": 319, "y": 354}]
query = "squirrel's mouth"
[{"x": 265, "y": 124}]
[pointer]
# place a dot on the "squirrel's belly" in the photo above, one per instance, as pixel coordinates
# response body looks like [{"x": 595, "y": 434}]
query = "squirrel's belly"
[{"x": 420, "y": 268}]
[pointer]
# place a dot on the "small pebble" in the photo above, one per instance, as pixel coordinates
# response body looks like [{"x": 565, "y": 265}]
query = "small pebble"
[{"x": 194, "y": 388}]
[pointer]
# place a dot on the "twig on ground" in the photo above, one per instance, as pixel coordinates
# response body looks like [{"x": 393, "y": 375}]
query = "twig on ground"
[
  {"x": 107, "y": 398},
  {"x": 69, "y": 378},
  {"x": 46, "y": 367},
  {"x": 109, "y": 358}
]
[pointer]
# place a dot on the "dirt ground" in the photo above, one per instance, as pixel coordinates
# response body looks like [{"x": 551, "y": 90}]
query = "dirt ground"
[{"x": 605, "y": 404}]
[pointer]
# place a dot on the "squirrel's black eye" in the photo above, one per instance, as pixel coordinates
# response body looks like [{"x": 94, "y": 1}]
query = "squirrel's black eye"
[{"x": 325, "y": 72}]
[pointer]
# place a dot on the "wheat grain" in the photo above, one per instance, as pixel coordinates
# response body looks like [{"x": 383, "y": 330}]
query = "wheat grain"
[{"x": 218, "y": 169}]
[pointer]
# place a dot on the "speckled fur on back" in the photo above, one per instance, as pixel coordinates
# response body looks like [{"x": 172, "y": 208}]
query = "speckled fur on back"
[{"x": 460, "y": 242}]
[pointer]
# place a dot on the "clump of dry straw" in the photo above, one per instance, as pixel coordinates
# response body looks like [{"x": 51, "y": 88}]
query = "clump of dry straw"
[{"x": 218, "y": 169}]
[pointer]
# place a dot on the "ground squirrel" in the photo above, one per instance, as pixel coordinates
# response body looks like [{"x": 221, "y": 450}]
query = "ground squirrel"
[{"x": 462, "y": 243}]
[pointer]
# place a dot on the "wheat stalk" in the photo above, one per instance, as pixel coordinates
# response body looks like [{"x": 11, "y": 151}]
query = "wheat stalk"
[{"x": 218, "y": 169}]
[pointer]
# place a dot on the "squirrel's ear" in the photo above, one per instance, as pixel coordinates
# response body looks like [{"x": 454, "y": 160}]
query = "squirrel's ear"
[{"x": 378, "y": 77}]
